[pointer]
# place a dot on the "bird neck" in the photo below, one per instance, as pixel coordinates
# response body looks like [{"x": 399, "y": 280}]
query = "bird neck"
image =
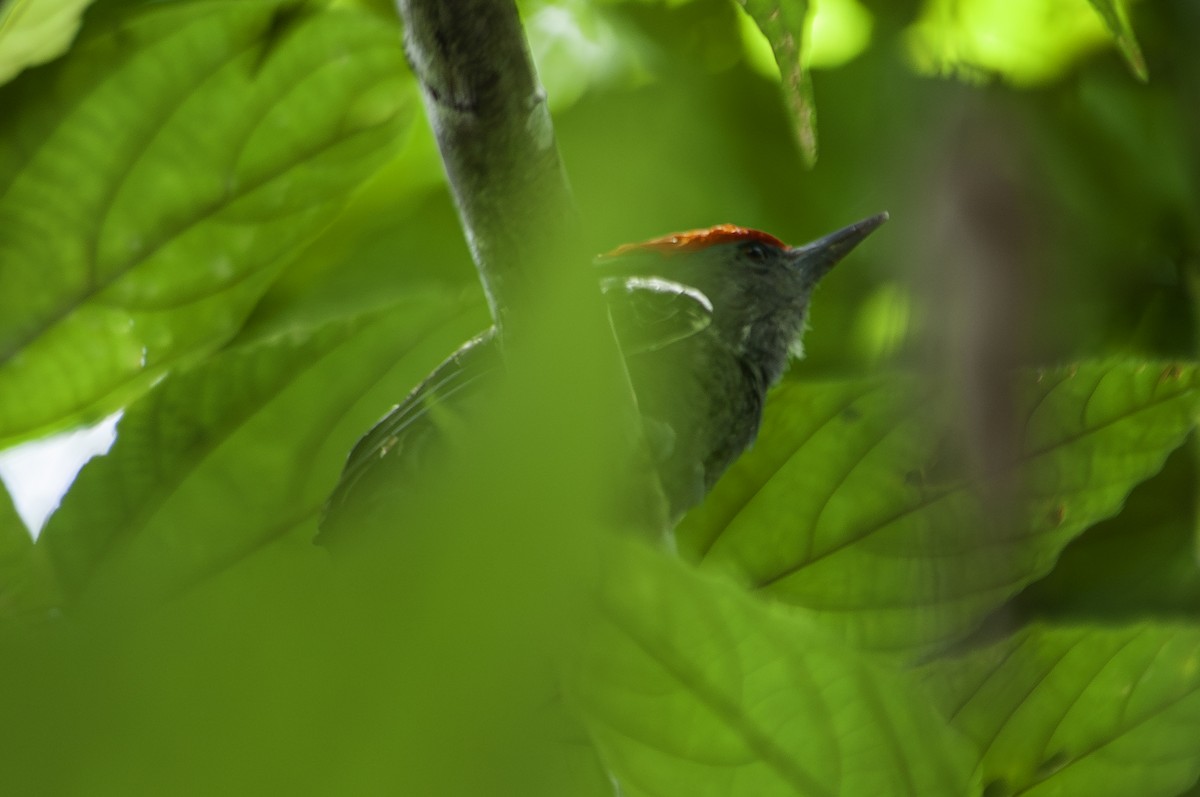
[{"x": 762, "y": 348}]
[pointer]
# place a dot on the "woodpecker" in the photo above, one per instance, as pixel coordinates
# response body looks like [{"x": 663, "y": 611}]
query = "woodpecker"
[{"x": 706, "y": 321}]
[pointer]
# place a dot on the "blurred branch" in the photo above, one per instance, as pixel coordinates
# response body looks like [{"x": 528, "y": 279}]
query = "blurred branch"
[{"x": 493, "y": 129}]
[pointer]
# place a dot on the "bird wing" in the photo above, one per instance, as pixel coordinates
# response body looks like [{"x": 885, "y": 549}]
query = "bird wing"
[
  {"x": 393, "y": 449},
  {"x": 650, "y": 313}
]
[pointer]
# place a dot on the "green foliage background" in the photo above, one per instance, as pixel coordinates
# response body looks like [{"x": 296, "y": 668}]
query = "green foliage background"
[{"x": 961, "y": 558}]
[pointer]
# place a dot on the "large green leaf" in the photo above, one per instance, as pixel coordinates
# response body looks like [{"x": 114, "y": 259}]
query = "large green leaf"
[
  {"x": 219, "y": 461},
  {"x": 692, "y": 687},
  {"x": 853, "y": 505},
  {"x": 152, "y": 181},
  {"x": 1080, "y": 709}
]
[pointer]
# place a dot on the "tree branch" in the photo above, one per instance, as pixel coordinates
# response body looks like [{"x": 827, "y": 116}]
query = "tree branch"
[{"x": 493, "y": 128}]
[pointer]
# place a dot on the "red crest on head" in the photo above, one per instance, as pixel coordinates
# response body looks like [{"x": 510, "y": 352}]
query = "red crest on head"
[{"x": 694, "y": 240}]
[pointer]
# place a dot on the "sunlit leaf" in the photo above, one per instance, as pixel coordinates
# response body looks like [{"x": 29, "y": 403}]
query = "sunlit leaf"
[
  {"x": 575, "y": 46},
  {"x": 152, "y": 182},
  {"x": 35, "y": 31},
  {"x": 690, "y": 686},
  {"x": 853, "y": 506},
  {"x": 1025, "y": 41},
  {"x": 1106, "y": 712}
]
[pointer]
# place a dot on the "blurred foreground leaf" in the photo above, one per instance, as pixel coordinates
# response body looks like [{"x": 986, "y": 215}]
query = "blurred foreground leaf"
[
  {"x": 850, "y": 507},
  {"x": 152, "y": 182},
  {"x": 421, "y": 664},
  {"x": 219, "y": 461},
  {"x": 1106, "y": 712},
  {"x": 690, "y": 686},
  {"x": 420, "y": 661}
]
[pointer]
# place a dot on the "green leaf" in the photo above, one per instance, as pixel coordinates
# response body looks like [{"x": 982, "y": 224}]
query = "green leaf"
[
  {"x": 238, "y": 454},
  {"x": 784, "y": 23},
  {"x": 690, "y": 686},
  {"x": 1080, "y": 709},
  {"x": 1114, "y": 14},
  {"x": 853, "y": 507},
  {"x": 153, "y": 183},
  {"x": 36, "y": 31}
]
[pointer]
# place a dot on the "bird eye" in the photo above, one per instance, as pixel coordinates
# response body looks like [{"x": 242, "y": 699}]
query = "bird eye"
[{"x": 755, "y": 252}]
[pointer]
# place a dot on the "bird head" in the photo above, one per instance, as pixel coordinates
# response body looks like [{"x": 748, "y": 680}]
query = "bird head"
[{"x": 757, "y": 287}]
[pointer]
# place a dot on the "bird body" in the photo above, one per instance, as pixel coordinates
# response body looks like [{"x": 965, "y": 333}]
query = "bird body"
[{"x": 706, "y": 321}]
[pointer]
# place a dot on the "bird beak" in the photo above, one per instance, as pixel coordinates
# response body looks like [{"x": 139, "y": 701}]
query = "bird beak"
[{"x": 823, "y": 253}]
